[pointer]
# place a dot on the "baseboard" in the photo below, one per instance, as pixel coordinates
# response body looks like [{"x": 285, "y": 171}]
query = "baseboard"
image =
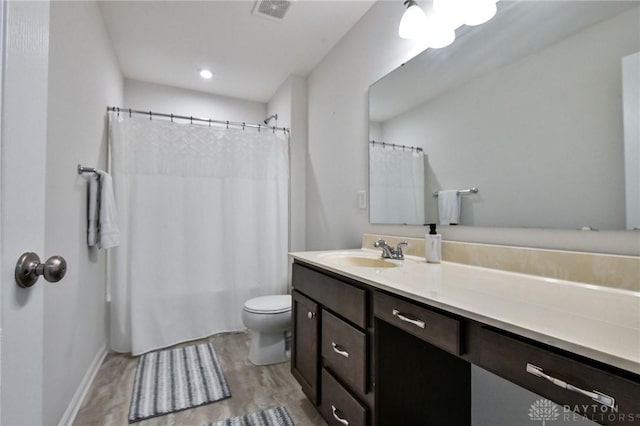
[{"x": 78, "y": 397}]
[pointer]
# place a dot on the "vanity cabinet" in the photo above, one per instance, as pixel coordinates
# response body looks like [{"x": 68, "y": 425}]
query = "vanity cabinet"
[
  {"x": 601, "y": 395},
  {"x": 331, "y": 345},
  {"x": 368, "y": 356},
  {"x": 440, "y": 330},
  {"x": 428, "y": 353},
  {"x": 304, "y": 347},
  {"x": 419, "y": 378}
]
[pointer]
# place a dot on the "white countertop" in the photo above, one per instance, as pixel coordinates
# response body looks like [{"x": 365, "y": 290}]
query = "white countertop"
[{"x": 596, "y": 322}]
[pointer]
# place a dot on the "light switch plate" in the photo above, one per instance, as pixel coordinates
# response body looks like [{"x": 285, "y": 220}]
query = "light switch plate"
[{"x": 362, "y": 199}]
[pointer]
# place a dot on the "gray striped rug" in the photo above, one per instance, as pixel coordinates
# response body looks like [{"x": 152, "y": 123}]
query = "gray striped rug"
[
  {"x": 177, "y": 379},
  {"x": 278, "y": 416}
]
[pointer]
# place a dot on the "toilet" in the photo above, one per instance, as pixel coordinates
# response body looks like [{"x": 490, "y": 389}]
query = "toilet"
[{"x": 268, "y": 318}]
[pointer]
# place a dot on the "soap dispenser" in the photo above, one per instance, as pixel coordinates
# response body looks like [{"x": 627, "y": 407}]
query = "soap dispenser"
[{"x": 433, "y": 245}]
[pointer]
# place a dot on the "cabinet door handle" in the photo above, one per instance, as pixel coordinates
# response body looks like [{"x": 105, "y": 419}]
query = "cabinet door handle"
[
  {"x": 311, "y": 315},
  {"x": 599, "y": 397},
  {"x": 402, "y": 317},
  {"x": 339, "y": 351},
  {"x": 334, "y": 411}
]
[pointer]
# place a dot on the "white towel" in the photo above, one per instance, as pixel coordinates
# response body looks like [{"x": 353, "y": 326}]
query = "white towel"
[
  {"x": 449, "y": 207},
  {"x": 108, "y": 230},
  {"x": 92, "y": 208}
]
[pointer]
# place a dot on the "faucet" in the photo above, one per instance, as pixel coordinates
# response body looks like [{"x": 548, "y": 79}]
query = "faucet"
[{"x": 389, "y": 252}]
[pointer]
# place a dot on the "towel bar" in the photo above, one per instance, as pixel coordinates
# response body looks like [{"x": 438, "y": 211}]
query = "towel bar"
[
  {"x": 462, "y": 191},
  {"x": 83, "y": 169}
]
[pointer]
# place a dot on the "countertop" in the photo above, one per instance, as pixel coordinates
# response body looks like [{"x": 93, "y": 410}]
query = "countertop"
[{"x": 596, "y": 322}]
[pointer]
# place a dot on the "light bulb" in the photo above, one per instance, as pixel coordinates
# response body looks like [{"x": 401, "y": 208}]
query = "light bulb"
[
  {"x": 439, "y": 32},
  {"x": 206, "y": 74},
  {"x": 413, "y": 21},
  {"x": 451, "y": 11},
  {"x": 479, "y": 11},
  {"x": 468, "y": 12}
]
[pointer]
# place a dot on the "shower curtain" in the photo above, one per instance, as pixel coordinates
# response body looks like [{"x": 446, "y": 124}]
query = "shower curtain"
[
  {"x": 203, "y": 215},
  {"x": 397, "y": 185}
]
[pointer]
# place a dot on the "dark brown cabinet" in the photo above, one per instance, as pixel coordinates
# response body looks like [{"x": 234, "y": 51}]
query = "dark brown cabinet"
[
  {"x": 304, "y": 348},
  {"x": 339, "y": 407},
  {"x": 369, "y": 357},
  {"x": 344, "y": 352},
  {"x": 334, "y": 368}
]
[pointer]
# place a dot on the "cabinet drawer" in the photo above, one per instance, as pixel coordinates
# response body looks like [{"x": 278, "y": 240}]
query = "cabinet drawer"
[
  {"x": 439, "y": 330},
  {"x": 344, "y": 299},
  {"x": 338, "y": 406},
  {"x": 511, "y": 359},
  {"x": 344, "y": 350}
]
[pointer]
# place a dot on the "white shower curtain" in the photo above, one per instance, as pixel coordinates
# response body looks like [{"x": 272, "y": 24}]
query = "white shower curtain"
[
  {"x": 396, "y": 185},
  {"x": 204, "y": 219}
]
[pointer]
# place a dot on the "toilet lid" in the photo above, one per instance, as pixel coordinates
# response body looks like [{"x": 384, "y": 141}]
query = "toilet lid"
[{"x": 269, "y": 304}]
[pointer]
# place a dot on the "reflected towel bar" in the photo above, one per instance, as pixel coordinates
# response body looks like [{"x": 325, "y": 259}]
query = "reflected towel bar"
[
  {"x": 462, "y": 191},
  {"x": 83, "y": 169}
]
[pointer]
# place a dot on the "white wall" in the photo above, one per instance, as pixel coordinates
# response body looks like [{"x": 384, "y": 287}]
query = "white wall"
[
  {"x": 290, "y": 103},
  {"x": 84, "y": 78},
  {"x": 172, "y": 100},
  {"x": 338, "y": 125},
  {"x": 337, "y": 164}
]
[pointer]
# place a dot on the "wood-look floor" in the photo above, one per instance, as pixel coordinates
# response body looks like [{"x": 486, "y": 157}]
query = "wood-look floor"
[{"x": 252, "y": 389}]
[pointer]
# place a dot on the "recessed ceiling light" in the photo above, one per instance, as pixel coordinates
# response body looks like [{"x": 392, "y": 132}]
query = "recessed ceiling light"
[{"x": 206, "y": 74}]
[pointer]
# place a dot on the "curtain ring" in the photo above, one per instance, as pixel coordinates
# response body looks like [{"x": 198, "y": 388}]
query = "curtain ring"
[
  {"x": 274, "y": 129},
  {"x": 242, "y": 126},
  {"x": 190, "y": 120},
  {"x": 172, "y": 118},
  {"x": 258, "y": 128},
  {"x": 150, "y": 115},
  {"x": 209, "y": 122},
  {"x": 129, "y": 112},
  {"x": 118, "y": 111},
  {"x": 227, "y": 124}
]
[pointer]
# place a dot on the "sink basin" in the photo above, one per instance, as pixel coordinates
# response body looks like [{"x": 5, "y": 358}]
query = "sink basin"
[{"x": 360, "y": 260}]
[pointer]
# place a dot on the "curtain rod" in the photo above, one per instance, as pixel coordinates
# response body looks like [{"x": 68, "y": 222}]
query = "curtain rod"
[
  {"x": 191, "y": 119},
  {"x": 393, "y": 145}
]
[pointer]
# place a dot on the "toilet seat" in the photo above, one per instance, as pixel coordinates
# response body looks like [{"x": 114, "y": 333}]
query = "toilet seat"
[{"x": 268, "y": 304}]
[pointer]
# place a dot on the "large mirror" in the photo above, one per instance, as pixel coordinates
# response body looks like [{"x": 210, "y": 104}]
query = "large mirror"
[{"x": 539, "y": 109}]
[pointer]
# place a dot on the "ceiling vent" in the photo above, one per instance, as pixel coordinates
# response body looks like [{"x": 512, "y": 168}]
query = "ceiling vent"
[{"x": 271, "y": 9}]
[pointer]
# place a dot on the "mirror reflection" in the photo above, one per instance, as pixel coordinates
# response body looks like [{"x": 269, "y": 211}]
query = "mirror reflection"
[{"x": 538, "y": 108}]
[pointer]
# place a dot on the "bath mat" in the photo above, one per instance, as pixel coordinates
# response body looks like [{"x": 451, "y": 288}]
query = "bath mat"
[
  {"x": 177, "y": 379},
  {"x": 278, "y": 416}
]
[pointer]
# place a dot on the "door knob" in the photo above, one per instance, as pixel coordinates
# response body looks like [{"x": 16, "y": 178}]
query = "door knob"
[{"x": 29, "y": 268}]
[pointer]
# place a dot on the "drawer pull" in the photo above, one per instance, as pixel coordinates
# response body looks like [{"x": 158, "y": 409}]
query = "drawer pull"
[
  {"x": 339, "y": 351},
  {"x": 594, "y": 395},
  {"x": 402, "y": 317},
  {"x": 334, "y": 411}
]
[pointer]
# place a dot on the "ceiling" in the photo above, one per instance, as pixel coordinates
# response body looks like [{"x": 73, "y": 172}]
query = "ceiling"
[{"x": 167, "y": 42}]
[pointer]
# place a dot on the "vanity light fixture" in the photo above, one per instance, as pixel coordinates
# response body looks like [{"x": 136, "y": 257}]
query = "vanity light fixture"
[
  {"x": 439, "y": 32},
  {"x": 413, "y": 22},
  {"x": 465, "y": 12},
  {"x": 437, "y": 27},
  {"x": 206, "y": 74}
]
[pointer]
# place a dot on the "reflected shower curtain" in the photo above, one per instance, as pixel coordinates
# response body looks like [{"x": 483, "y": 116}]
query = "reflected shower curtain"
[
  {"x": 204, "y": 224},
  {"x": 396, "y": 180}
]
